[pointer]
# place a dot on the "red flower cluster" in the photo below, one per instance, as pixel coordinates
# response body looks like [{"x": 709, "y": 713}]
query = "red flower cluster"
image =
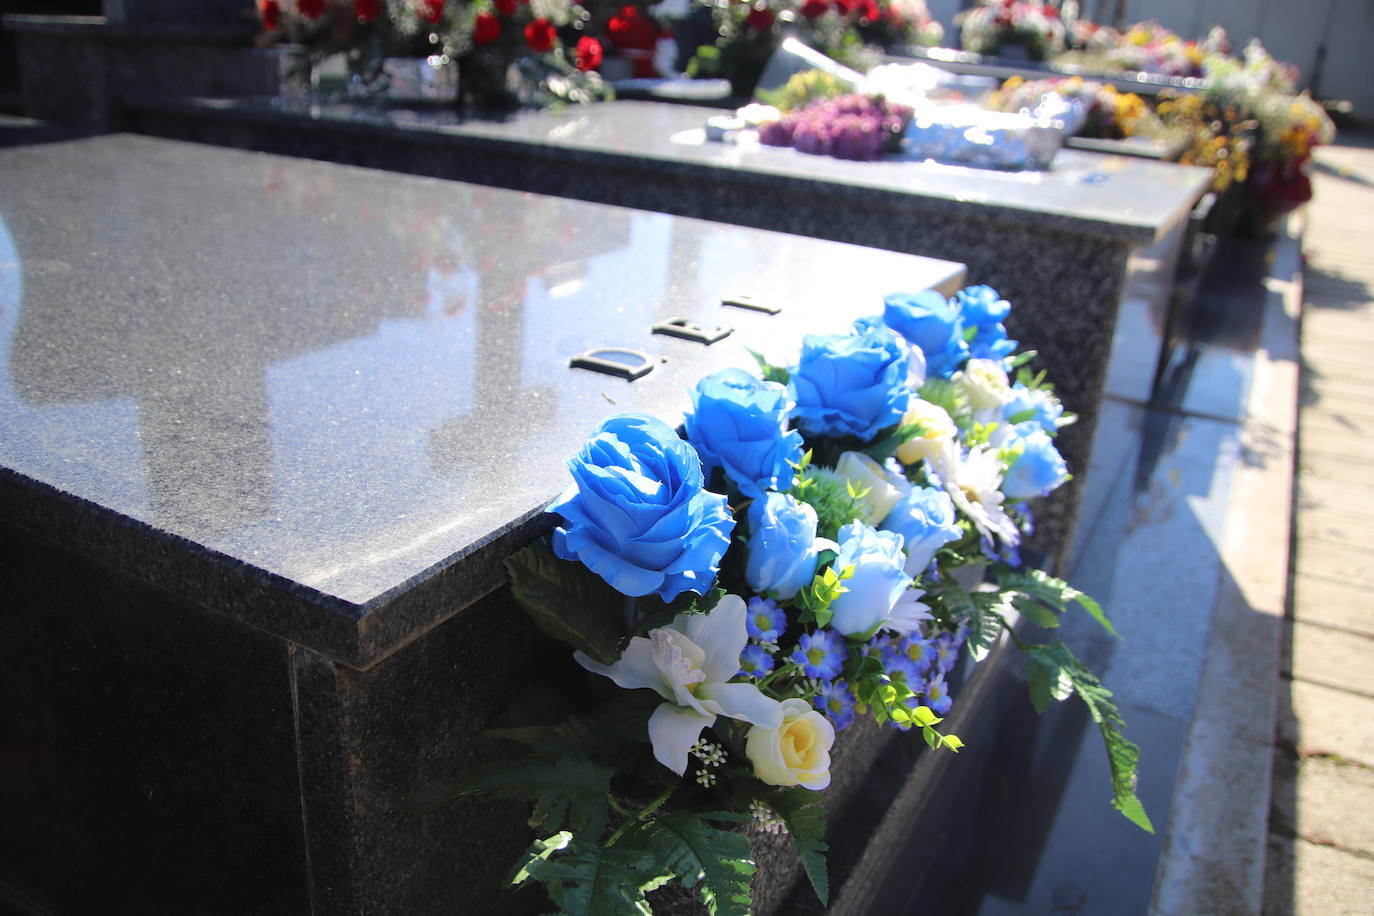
[
  {"x": 631, "y": 30},
  {"x": 506, "y": 7},
  {"x": 589, "y": 53},
  {"x": 432, "y": 11},
  {"x": 310, "y": 9},
  {"x": 367, "y": 10},
  {"x": 814, "y": 9},
  {"x": 540, "y": 35},
  {"x": 760, "y": 19},
  {"x": 269, "y": 11},
  {"x": 486, "y": 28}
]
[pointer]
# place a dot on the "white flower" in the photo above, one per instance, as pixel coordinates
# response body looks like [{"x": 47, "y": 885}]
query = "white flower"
[
  {"x": 689, "y": 663},
  {"x": 973, "y": 481},
  {"x": 794, "y": 752},
  {"x": 937, "y": 429},
  {"x": 984, "y": 383},
  {"x": 884, "y": 490}
]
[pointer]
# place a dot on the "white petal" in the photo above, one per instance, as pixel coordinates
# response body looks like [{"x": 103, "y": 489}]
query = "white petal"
[
  {"x": 721, "y": 634},
  {"x": 908, "y": 613},
  {"x": 743, "y": 702},
  {"x": 635, "y": 668},
  {"x": 673, "y": 730}
]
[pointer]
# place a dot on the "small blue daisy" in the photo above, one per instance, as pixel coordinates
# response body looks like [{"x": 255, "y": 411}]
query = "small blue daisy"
[
  {"x": 755, "y": 661},
  {"x": 947, "y": 652},
  {"x": 820, "y": 655},
  {"x": 765, "y": 620},
  {"x": 937, "y": 695},
  {"x": 836, "y": 700}
]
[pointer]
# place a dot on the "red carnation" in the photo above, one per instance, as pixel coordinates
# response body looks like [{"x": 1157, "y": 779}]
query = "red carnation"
[
  {"x": 505, "y": 7},
  {"x": 540, "y": 36},
  {"x": 628, "y": 29},
  {"x": 844, "y": 7},
  {"x": 270, "y": 11},
  {"x": 760, "y": 19},
  {"x": 868, "y": 11},
  {"x": 812, "y": 9},
  {"x": 588, "y": 53},
  {"x": 310, "y": 9},
  {"x": 432, "y": 10},
  {"x": 367, "y": 10},
  {"x": 486, "y": 28}
]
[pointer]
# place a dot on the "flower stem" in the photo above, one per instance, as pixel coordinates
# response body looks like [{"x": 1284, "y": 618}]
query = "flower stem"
[
  {"x": 649, "y": 809},
  {"x": 631, "y": 614}
]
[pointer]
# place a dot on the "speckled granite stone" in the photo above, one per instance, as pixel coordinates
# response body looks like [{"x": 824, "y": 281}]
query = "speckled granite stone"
[
  {"x": 279, "y": 421},
  {"x": 1055, "y": 243}
]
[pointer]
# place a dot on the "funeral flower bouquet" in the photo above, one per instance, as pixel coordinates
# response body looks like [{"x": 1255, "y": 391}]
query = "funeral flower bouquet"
[
  {"x": 992, "y": 26},
  {"x": 816, "y": 542}
]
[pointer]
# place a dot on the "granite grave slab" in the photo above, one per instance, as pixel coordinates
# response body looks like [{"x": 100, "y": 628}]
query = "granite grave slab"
[{"x": 267, "y": 429}]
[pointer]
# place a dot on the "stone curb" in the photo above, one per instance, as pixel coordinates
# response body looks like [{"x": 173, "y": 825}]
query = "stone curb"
[{"x": 1214, "y": 850}]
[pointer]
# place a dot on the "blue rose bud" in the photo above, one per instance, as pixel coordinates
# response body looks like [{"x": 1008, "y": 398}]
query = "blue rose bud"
[
  {"x": 1041, "y": 406},
  {"x": 931, "y": 324},
  {"x": 636, "y": 514},
  {"x": 980, "y": 308},
  {"x": 782, "y": 549},
  {"x": 878, "y": 581},
  {"x": 739, "y": 423},
  {"x": 850, "y": 384},
  {"x": 1039, "y": 469},
  {"x": 926, "y": 521}
]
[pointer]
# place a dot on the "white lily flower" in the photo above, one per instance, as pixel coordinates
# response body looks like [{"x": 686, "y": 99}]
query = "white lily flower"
[{"x": 689, "y": 663}]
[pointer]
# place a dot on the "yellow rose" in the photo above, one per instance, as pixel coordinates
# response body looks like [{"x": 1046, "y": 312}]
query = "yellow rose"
[
  {"x": 796, "y": 752},
  {"x": 936, "y": 429}
]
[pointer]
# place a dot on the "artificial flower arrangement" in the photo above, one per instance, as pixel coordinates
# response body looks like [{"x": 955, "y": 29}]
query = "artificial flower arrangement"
[
  {"x": 1145, "y": 47},
  {"x": 847, "y": 127},
  {"x": 1111, "y": 115},
  {"x": 816, "y": 542},
  {"x": 995, "y": 25},
  {"x": 532, "y": 52}
]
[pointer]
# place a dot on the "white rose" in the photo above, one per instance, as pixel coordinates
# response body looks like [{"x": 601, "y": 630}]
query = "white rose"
[
  {"x": 796, "y": 752},
  {"x": 984, "y": 383},
  {"x": 865, "y": 473}
]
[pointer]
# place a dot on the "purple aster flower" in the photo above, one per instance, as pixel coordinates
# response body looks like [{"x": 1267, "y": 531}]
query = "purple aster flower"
[
  {"x": 820, "y": 655},
  {"x": 836, "y": 700},
  {"x": 765, "y": 620},
  {"x": 937, "y": 695},
  {"x": 755, "y": 661}
]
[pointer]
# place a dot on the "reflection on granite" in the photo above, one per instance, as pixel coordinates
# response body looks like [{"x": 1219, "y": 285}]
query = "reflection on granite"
[
  {"x": 1054, "y": 243},
  {"x": 346, "y": 380}
]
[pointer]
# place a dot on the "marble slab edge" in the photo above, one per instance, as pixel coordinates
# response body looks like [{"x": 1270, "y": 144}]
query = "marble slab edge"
[
  {"x": 99, "y": 28},
  {"x": 470, "y": 136},
  {"x": 353, "y": 634}
]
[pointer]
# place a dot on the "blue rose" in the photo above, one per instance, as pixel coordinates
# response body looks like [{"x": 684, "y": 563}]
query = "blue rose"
[
  {"x": 1043, "y": 405},
  {"x": 1039, "y": 469},
  {"x": 739, "y": 423},
  {"x": 930, "y": 323},
  {"x": 980, "y": 308},
  {"x": 782, "y": 550},
  {"x": 878, "y": 581},
  {"x": 850, "y": 384},
  {"x": 636, "y": 514},
  {"x": 926, "y": 521}
]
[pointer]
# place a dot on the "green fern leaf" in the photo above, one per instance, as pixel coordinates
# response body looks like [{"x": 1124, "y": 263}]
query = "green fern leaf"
[
  {"x": 1055, "y": 592},
  {"x": 568, "y": 601},
  {"x": 588, "y": 879},
  {"x": 720, "y": 861},
  {"x": 1059, "y": 665},
  {"x": 567, "y": 791},
  {"x": 801, "y": 810}
]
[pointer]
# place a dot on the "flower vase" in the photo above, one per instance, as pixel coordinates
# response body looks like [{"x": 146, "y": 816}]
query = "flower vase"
[
  {"x": 484, "y": 81},
  {"x": 295, "y": 74},
  {"x": 433, "y": 79},
  {"x": 367, "y": 77}
]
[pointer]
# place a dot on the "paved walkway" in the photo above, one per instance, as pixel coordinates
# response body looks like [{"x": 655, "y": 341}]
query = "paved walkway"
[{"x": 1321, "y": 827}]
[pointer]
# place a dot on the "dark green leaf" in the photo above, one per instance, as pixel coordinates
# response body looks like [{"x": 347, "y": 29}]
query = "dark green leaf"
[
  {"x": 588, "y": 879},
  {"x": 1055, "y": 592},
  {"x": 1123, "y": 756},
  {"x": 567, "y": 791},
  {"x": 718, "y": 860},
  {"x": 568, "y": 601}
]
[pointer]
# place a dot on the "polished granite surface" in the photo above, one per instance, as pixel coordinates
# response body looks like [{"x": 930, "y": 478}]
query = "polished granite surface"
[
  {"x": 345, "y": 379},
  {"x": 1121, "y": 196}
]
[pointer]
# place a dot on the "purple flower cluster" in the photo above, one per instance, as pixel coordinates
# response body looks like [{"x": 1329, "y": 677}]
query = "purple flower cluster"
[{"x": 847, "y": 127}]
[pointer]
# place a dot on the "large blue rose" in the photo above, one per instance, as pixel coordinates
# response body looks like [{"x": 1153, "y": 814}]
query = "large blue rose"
[
  {"x": 636, "y": 514},
  {"x": 930, "y": 323},
  {"x": 983, "y": 310},
  {"x": 926, "y": 521},
  {"x": 739, "y": 423},
  {"x": 1040, "y": 468},
  {"x": 877, "y": 586},
  {"x": 782, "y": 549},
  {"x": 850, "y": 384}
]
